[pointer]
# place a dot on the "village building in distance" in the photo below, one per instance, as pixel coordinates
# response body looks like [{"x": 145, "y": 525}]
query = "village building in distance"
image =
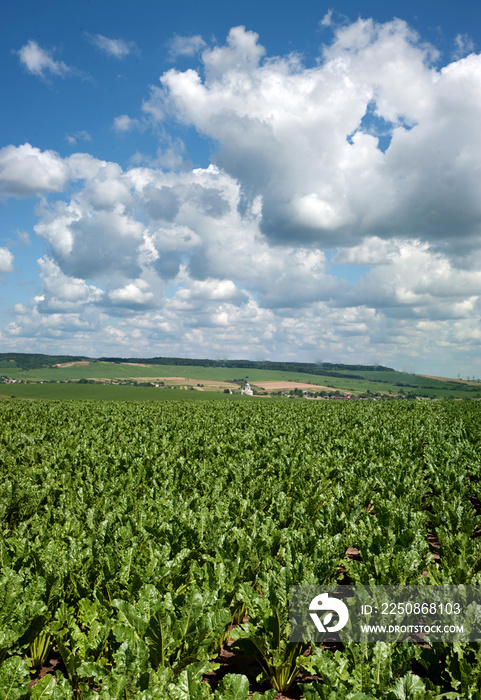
[{"x": 247, "y": 390}]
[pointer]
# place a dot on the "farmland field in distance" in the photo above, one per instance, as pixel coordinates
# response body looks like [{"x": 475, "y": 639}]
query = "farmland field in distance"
[{"x": 160, "y": 379}]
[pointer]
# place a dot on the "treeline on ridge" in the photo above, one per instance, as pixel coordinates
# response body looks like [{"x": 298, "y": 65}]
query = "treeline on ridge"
[
  {"x": 324, "y": 368},
  {"x": 22, "y": 360},
  {"x": 29, "y": 361}
]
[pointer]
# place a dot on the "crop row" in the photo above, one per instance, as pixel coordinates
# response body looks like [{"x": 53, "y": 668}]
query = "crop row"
[{"x": 135, "y": 539}]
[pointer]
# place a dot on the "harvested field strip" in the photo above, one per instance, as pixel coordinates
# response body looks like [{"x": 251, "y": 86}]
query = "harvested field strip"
[
  {"x": 279, "y": 385},
  {"x": 458, "y": 381},
  {"x": 80, "y": 363}
]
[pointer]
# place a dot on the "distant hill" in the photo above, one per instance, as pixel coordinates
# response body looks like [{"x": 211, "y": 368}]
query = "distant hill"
[
  {"x": 22, "y": 360},
  {"x": 322, "y": 368},
  {"x": 27, "y": 370},
  {"x": 37, "y": 361}
]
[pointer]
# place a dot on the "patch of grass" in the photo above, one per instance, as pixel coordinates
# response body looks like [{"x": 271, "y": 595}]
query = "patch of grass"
[
  {"x": 111, "y": 370},
  {"x": 7, "y": 364},
  {"x": 406, "y": 378},
  {"x": 106, "y": 392}
]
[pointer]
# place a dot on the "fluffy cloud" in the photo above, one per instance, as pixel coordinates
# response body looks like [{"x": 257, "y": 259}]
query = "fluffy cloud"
[
  {"x": 123, "y": 123},
  {"x": 242, "y": 53},
  {"x": 62, "y": 294},
  {"x": 413, "y": 282},
  {"x": 304, "y": 139},
  {"x": 185, "y": 46},
  {"x": 199, "y": 292},
  {"x": 90, "y": 244},
  {"x": 26, "y": 171},
  {"x": 39, "y": 61},
  {"x": 133, "y": 295},
  {"x": 116, "y": 48},
  {"x": 78, "y": 136},
  {"x": 6, "y": 260},
  {"x": 463, "y": 45},
  {"x": 372, "y": 251}
]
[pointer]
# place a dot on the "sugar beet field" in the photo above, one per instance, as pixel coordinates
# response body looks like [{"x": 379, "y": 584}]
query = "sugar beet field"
[{"x": 146, "y": 549}]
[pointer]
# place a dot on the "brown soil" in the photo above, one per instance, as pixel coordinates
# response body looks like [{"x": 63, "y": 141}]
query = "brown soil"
[
  {"x": 180, "y": 381},
  {"x": 7, "y": 396},
  {"x": 278, "y": 385},
  {"x": 81, "y": 363},
  {"x": 52, "y": 664},
  {"x": 171, "y": 380},
  {"x": 476, "y": 504},
  {"x": 233, "y": 660},
  {"x": 353, "y": 554}
]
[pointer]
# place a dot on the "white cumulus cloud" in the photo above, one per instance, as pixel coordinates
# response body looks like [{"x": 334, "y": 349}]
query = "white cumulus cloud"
[
  {"x": 123, "y": 123},
  {"x": 132, "y": 294},
  {"x": 26, "y": 171},
  {"x": 40, "y": 61},
  {"x": 305, "y": 139},
  {"x": 64, "y": 292},
  {"x": 6, "y": 260}
]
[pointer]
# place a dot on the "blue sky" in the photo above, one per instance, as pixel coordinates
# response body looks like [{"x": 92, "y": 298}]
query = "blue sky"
[{"x": 263, "y": 181}]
